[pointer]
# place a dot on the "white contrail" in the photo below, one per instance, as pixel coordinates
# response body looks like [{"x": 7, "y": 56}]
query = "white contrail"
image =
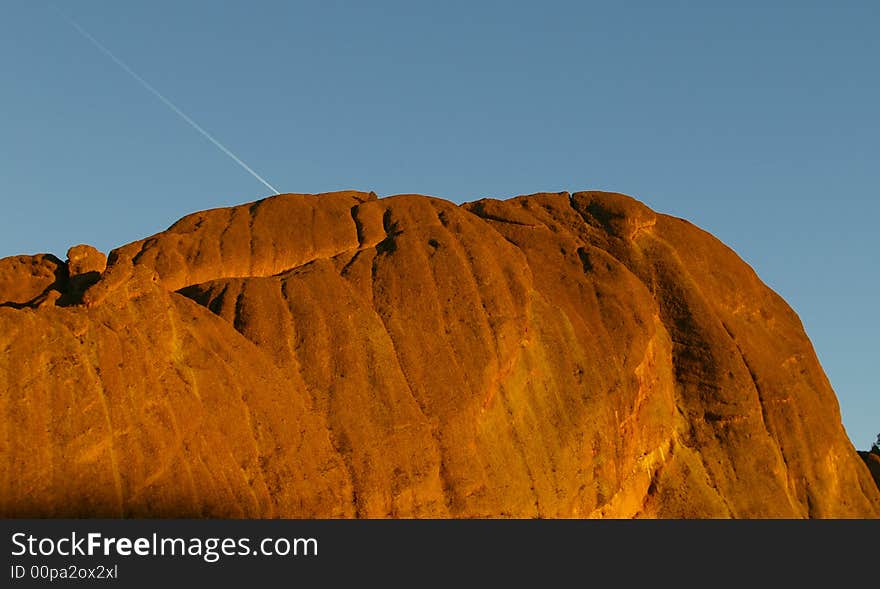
[{"x": 167, "y": 102}]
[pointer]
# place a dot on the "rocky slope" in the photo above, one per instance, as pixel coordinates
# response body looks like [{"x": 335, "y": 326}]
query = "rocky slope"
[{"x": 340, "y": 355}]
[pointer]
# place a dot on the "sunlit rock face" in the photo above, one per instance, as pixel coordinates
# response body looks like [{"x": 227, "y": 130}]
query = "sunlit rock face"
[{"x": 340, "y": 355}]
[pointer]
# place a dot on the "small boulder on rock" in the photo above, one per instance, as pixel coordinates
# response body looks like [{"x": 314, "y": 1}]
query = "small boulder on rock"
[{"x": 85, "y": 264}]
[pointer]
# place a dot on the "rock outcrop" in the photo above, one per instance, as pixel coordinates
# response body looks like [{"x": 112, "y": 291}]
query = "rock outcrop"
[
  {"x": 26, "y": 280},
  {"x": 85, "y": 265},
  {"x": 340, "y": 355}
]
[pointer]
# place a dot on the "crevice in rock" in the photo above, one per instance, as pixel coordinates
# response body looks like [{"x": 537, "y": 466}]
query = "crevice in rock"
[{"x": 761, "y": 403}]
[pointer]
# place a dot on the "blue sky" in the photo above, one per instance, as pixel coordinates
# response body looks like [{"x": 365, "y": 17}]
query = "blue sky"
[{"x": 756, "y": 120}]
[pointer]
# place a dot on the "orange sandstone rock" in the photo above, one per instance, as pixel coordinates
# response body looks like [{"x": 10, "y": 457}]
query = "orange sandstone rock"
[
  {"x": 23, "y": 279},
  {"x": 340, "y": 355}
]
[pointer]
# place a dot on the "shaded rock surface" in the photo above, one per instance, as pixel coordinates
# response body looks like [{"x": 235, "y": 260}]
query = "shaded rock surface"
[
  {"x": 872, "y": 460},
  {"x": 340, "y": 355}
]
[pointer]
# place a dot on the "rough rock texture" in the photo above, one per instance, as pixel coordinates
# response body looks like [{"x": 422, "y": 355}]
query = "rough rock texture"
[
  {"x": 24, "y": 280},
  {"x": 340, "y": 355},
  {"x": 85, "y": 265}
]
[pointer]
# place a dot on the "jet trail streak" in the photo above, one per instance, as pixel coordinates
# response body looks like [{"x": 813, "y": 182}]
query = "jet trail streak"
[{"x": 166, "y": 101}]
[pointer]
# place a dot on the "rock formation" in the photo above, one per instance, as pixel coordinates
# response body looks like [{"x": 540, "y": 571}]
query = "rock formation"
[
  {"x": 26, "y": 280},
  {"x": 340, "y": 355}
]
